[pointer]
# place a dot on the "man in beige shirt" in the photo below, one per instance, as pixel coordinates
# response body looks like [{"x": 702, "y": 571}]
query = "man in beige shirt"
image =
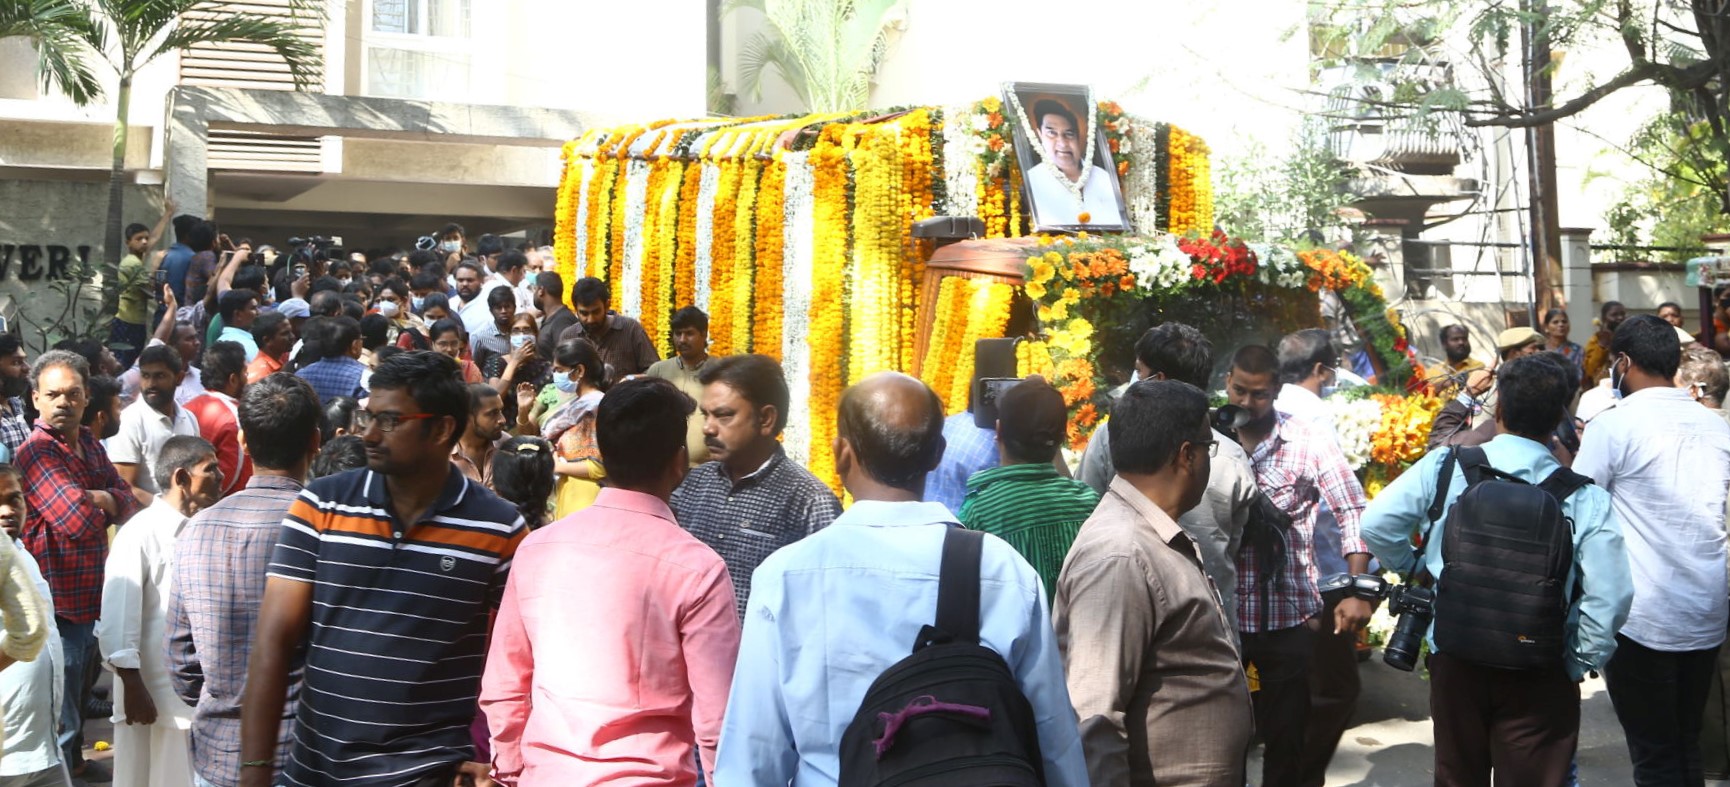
[
  {"x": 691, "y": 341},
  {"x": 1152, "y": 666}
]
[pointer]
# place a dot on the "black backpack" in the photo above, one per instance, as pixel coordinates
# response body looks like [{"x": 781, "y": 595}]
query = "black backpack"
[
  {"x": 1502, "y": 599},
  {"x": 951, "y": 714}
]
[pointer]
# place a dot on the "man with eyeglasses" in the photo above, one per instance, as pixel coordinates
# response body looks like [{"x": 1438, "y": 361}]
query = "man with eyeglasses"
[
  {"x": 385, "y": 579},
  {"x": 1299, "y": 466},
  {"x": 1307, "y": 362},
  {"x": 1150, "y": 660}
]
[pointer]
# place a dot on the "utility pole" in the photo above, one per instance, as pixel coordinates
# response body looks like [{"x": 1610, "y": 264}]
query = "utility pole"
[{"x": 1546, "y": 237}]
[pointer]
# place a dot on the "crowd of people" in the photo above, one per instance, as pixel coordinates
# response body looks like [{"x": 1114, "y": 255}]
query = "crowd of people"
[{"x": 415, "y": 520}]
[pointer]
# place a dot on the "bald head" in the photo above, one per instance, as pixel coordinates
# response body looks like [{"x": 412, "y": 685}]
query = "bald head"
[{"x": 894, "y": 425}]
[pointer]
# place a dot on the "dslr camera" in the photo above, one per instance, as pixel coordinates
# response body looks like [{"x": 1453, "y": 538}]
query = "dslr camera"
[{"x": 1414, "y": 605}]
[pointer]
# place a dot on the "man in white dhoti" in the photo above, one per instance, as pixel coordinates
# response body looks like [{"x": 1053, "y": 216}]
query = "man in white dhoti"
[
  {"x": 1060, "y": 196},
  {"x": 152, "y": 724}
]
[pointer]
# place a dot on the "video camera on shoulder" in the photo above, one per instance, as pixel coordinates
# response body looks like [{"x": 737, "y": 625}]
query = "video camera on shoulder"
[
  {"x": 1228, "y": 419},
  {"x": 987, "y": 392}
]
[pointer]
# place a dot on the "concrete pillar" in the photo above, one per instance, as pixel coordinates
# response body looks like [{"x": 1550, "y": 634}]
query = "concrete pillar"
[
  {"x": 186, "y": 162},
  {"x": 1577, "y": 285}
]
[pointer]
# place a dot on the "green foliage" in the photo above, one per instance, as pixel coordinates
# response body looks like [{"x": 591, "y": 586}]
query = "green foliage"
[
  {"x": 1284, "y": 200},
  {"x": 826, "y": 50},
  {"x": 1479, "y": 45},
  {"x": 57, "y": 29},
  {"x": 1684, "y": 196}
]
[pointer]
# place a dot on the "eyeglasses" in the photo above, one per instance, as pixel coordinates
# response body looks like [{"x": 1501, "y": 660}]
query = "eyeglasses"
[
  {"x": 387, "y": 422},
  {"x": 1212, "y": 446}
]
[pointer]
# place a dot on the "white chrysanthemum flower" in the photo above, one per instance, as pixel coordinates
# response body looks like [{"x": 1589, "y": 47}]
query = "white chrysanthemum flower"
[{"x": 1356, "y": 422}]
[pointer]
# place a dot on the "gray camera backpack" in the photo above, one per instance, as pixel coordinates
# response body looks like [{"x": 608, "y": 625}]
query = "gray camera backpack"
[{"x": 1502, "y": 600}]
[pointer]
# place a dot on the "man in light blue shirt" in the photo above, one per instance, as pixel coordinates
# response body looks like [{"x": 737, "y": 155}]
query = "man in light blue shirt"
[
  {"x": 1523, "y": 724},
  {"x": 830, "y": 613}
]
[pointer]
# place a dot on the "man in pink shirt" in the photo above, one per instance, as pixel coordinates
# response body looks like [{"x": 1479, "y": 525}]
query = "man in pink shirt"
[{"x": 613, "y": 651}]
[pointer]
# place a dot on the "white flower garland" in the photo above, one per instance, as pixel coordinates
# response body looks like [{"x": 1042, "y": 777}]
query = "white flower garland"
[
  {"x": 1141, "y": 187},
  {"x": 1074, "y": 187},
  {"x": 1279, "y": 266},
  {"x": 1158, "y": 264},
  {"x": 798, "y": 244},
  {"x": 708, "y": 184},
  {"x": 629, "y": 289},
  {"x": 962, "y": 147},
  {"x": 1356, "y": 423},
  {"x": 582, "y": 221}
]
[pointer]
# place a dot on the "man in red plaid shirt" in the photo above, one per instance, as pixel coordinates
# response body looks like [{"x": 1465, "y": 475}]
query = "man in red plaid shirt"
[
  {"x": 1297, "y": 465},
  {"x": 74, "y": 494}
]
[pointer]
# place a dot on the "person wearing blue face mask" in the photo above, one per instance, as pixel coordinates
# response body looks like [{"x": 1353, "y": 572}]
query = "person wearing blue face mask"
[{"x": 580, "y": 377}]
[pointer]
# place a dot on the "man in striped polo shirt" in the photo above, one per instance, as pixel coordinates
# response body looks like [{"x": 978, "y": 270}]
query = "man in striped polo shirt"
[
  {"x": 1024, "y": 500},
  {"x": 386, "y": 576}
]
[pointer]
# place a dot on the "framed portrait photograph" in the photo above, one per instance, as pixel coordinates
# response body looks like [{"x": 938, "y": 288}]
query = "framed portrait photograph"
[{"x": 1066, "y": 170}]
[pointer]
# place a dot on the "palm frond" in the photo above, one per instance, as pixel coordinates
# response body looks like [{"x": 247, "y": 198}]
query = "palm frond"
[
  {"x": 767, "y": 50},
  {"x": 57, "y": 29}
]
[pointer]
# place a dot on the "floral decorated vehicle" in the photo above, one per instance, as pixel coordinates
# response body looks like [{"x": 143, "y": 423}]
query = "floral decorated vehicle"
[{"x": 794, "y": 234}]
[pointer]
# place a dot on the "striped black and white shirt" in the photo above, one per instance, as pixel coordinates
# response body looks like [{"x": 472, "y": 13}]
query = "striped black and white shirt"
[{"x": 399, "y": 626}]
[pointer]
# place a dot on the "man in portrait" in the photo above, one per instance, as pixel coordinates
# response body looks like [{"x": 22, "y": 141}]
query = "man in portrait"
[{"x": 1066, "y": 190}]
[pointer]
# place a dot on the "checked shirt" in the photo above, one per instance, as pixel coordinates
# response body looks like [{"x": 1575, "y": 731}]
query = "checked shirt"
[
  {"x": 1297, "y": 466},
  {"x": 746, "y": 521},
  {"x": 67, "y": 532}
]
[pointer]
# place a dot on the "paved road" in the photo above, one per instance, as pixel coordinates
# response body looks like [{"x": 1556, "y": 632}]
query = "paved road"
[{"x": 1390, "y": 744}]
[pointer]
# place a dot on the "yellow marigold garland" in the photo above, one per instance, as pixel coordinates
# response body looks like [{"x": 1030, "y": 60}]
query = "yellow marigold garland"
[
  {"x": 744, "y": 252},
  {"x": 771, "y": 216},
  {"x": 829, "y": 258},
  {"x": 721, "y": 258}
]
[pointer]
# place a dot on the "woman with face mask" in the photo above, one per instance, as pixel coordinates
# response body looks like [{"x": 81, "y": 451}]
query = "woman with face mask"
[
  {"x": 577, "y": 372},
  {"x": 393, "y": 305},
  {"x": 506, "y": 371}
]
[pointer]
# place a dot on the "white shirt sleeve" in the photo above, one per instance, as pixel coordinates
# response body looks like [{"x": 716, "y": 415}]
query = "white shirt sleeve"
[
  {"x": 21, "y": 608},
  {"x": 120, "y": 626}
]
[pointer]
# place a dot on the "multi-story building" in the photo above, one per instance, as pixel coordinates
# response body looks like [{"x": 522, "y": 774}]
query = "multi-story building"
[{"x": 427, "y": 111}]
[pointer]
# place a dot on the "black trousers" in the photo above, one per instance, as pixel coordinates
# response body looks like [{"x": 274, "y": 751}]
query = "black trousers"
[
  {"x": 1660, "y": 697},
  {"x": 1334, "y": 688},
  {"x": 1522, "y": 725},
  {"x": 1282, "y": 701}
]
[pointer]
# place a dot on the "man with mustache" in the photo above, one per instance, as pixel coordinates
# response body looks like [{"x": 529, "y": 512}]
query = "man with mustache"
[
  {"x": 1280, "y": 612},
  {"x": 691, "y": 342},
  {"x": 77, "y": 494},
  {"x": 750, "y": 500}
]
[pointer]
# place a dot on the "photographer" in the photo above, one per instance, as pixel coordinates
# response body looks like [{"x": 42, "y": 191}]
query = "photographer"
[{"x": 1523, "y": 724}]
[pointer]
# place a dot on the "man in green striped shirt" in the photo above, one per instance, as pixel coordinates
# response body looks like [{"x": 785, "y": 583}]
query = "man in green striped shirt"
[{"x": 1024, "y": 500}]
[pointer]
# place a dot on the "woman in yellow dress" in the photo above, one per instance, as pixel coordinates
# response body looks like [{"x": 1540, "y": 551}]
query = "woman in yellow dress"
[{"x": 577, "y": 369}]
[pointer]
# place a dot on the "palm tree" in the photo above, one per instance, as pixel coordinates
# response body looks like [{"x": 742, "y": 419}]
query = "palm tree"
[
  {"x": 58, "y": 30},
  {"x": 826, "y": 50},
  {"x": 133, "y": 33}
]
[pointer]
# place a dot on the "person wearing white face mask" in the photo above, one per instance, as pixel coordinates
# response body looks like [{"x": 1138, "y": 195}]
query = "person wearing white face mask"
[
  {"x": 393, "y": 305},
  {"x": 522, "y": 365}
]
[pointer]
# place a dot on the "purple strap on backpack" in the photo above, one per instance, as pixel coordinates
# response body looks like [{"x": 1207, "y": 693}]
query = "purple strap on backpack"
[{"x": 892, "y": 722}]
